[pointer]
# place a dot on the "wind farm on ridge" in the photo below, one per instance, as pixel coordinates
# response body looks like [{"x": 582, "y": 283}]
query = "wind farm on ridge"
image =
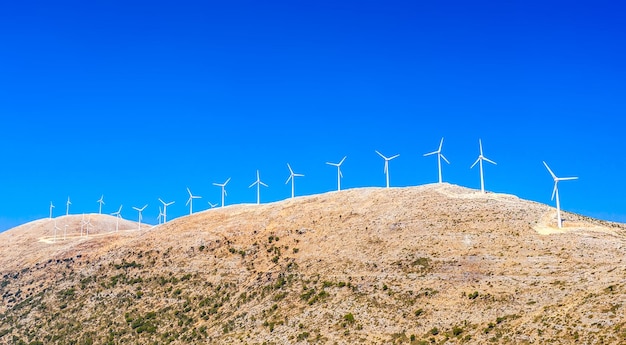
[{"x": 162, "y": 215}]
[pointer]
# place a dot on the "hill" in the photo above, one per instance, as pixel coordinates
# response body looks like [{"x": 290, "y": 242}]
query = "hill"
[{"x": 428, "y": 264}]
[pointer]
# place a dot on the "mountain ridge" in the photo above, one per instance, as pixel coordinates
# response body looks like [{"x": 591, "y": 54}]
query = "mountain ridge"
[{"x": 434, "y": 263}]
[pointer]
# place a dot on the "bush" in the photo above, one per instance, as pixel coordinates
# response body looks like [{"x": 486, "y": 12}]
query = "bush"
[
  {"x": 349, "y": 318},
  {"x": 419, "y": 312},
  {"x": 456, "y": 331},
  {"x": 434, "y": 331}
]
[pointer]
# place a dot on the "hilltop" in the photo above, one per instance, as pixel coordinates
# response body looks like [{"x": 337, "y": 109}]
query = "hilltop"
[{"x": 428, "y": 264}]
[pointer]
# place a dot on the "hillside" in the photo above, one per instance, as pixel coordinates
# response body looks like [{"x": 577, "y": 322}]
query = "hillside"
[{"x": 428, "y": 264}]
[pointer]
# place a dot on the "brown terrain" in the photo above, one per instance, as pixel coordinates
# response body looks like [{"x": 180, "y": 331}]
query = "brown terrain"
[{"x": 434, "y": 264}]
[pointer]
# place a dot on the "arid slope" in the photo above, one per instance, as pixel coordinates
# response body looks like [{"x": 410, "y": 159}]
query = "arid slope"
[{"x": 428, "y": 264}]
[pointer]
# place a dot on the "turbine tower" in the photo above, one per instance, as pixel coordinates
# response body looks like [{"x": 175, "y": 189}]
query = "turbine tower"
[
  {"x": 117, "y": 215},
  {"x": 67, "y": 206},
  {"x": 339, "y": 174},
  {"x": 165, "y": 205},
  {"x": 140, "y": 216},
  {"x": 555, "y": 192},
  {"x": 190, "y": 201},
  {"x": 51, "y": 207},
  {"x": 439, "y": 156},
  {"x": 480, "y": 160},
  {"x": 223, "y": 185},
  {"x": 292, "y": 177},
  {"x": 387, "y": 164},
  {"x": 258, "y": 184},
  {"x": 101, "y": 202}
]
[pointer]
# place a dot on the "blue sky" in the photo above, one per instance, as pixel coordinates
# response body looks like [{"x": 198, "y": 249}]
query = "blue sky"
[{"x": 140, "y": 99}]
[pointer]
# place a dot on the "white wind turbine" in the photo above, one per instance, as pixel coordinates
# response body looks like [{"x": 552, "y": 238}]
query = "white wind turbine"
[
  {"x": 190, "y": 201},
  {"x": 101, "y": 202},
  {"x": 160, "y": 217},
  {"x": 292, "y": 177},
  {"x": 67, "y": 206},
  {"x": 339, "y": 174},
  {"x": 223, "y": 186},
  {"x": 386, "y": 170},
  {"x": 82, "y": 225},
  {"x": 88, "y": 224},
  {"x": 213, "y": 205},
  {"x": 165, "y": 205},
  {"x": 117, "y": 215},
  {"x": 140, "y": 216},
  {"x": 258, "y": 184},
  {"x": 55, "y": 230},
  {"x": 439, "y": 156},
  {"x": 51, "y": 207},
  {"x": 480, "y": 160},
  {"x": 555, "y": 192}
]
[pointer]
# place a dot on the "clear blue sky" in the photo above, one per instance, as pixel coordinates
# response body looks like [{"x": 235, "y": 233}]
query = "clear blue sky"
[{"x": 139, "y": 99}]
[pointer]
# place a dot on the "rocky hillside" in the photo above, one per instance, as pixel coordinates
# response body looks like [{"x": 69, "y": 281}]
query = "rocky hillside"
[{"x": 435, "y": 264}]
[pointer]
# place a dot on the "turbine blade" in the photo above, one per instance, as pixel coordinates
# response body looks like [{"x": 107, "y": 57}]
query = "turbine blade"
[
  {"x": 477, "y": 160},
  {"x": 289, "y": 179},
  {"x": 225, "y": 183},
  {"x": 444, "y": 158},
  {"x": 340, "y": 174},
  {"x": 343, "y": 159},
  {"x": 188, "y": 191},
  {"x": 188, "y": 201},
  {"x": 290, "y": 170},
  {"x": 386, "y": 167},
  {"x": 380, "y": 154},
  {"x": 263, "y": 184},
  {"x": 298, "y": 175},
  {"x": 553, "y": 191},
  {"x": 396, "y": 156},
  {"x": 549, "y": 170},
  {"x": 252, "y": 185},
  {"x": 489, "y": 160},
  {"x": 430, "y": 153},
  {"x": 567, "y": 178},
  {"x": 163, "y": 202},
  {"x": 480, "y": 143},
  {"x": 440, "y": 144}
]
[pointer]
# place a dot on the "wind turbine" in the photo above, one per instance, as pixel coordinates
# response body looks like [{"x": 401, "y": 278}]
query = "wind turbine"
[
  {"x": 555, "y": 192},
  {"x": 88, "y": 225},
  {"x": 51, "y": 207},
  {"x": 140, "y": 216},
  {"x": 165, "y": 205},
  {"x": 117, "y": 215},
  {"x": 339, "y": 174},
  {"x": 480, "y": 160},
  {"x": 67, "y": 206},
  {"x": 82, "y": 225},
  {"x": 160, "y": 217},
  {"x": 292, "y": 177},
  {"x": 387, "y": 164},
  {"x": 101, "y": 202},
  {"x": 55, "y": 230},
  {"x": 439, "y": 156},
  {"x": 223, "y": 185},
  {"x": 258, "y": 184},
  {"x": 213, "y": 205},
  {"x": 190, "y": 201}
]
